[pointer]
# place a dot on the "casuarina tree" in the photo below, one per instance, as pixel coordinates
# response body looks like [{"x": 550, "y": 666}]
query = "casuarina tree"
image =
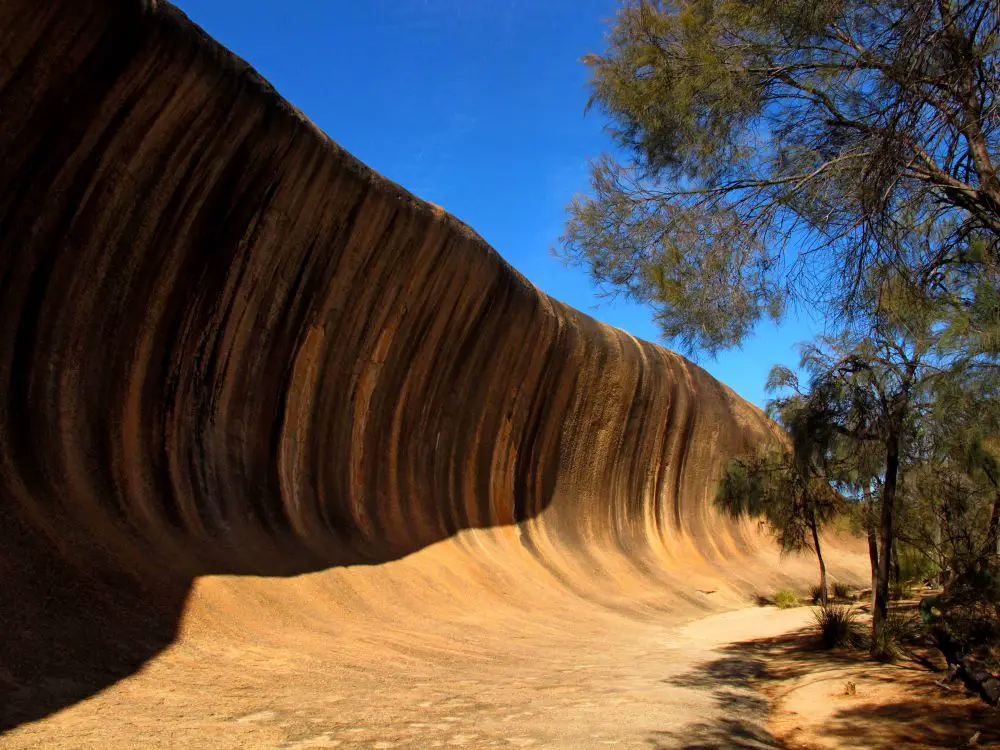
[{"x": 772, "y": 151}]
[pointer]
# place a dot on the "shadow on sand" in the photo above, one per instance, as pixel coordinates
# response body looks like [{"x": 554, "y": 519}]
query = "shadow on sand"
[
  {"x": 928, "y": 717},
  {"x": 70, "y": 630},
  {"x": 730, "y": 681}
]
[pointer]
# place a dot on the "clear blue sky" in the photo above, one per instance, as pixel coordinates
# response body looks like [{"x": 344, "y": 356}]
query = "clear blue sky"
[{"x": 476, "y": 105}]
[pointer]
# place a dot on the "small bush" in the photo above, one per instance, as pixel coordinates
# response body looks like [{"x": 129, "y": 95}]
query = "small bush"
[
  {"x": 838, "y": 626},
  {"x": 817, "y": 594},
  {"x": 883, "y": 645},
  {"x": 841, "y": 591},
  {"x": 967, "y": 617},
  {"x": 786, "y": 600},
  {"x": 889, "y": 637}
]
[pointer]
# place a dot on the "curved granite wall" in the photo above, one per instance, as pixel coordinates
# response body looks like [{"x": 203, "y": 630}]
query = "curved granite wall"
[{"x": 226, "y": 346}]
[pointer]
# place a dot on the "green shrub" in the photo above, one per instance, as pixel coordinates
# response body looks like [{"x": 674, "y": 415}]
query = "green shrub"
[
  {"x": 786, "y": 599},
  {"x": 841, "y": 591},
  {"x": 817, "y": 594},
  {"x": 838, "y": 626},
  {"x": 849, "y": 523}
]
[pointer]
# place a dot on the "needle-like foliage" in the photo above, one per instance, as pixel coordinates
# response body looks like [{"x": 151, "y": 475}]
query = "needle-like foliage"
[{"x": 776, "y": 150}]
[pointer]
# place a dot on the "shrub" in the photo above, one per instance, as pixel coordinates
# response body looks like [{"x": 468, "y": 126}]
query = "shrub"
[
  {"x": 838, "y": 626},
  {"x": 967, "y": 618},
  {"x": 841, "y": 591},
  {"x": 883, "y": 645},
  {"x": 817, "y": 594},
  {"x": 786, "y": 599},
  {"x": 849, "y": 523},
  {"x": 888, "y": 638}
]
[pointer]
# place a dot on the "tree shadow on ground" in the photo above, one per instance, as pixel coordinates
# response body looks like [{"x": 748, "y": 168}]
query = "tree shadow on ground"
[
  {"x": 918, "y": 723},
  {"x": 925, "y": 716},
  {"x": 743, "y": 711},
  {"x": 721, "y": 733},
  {"x": 929, "y": 716}
]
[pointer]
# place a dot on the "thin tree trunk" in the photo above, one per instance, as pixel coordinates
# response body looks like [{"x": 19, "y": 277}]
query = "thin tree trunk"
[
  {"x": 949, "y": 532},
  {"x": 993, "y": 533},
  {"x": 992, "y": 548},
  {"x": 895, "y": 563},
  {"x": 819, "y": 556},
  {"x": 872, "y": 541},
  {"x": 881, "y": 609},
  {"x": 873, "y": 557},
  {"x": 939, "y": 549}
]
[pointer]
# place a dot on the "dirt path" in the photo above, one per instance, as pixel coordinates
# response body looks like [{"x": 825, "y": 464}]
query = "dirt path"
[
  {"x": 748, "y": 678},
  {"x": 605, "y": 680},
  {"x": 842, "y": 700}
]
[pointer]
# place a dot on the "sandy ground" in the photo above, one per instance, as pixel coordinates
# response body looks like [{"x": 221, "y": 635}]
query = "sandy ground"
[
  {"x": 472, "y": 642},
  {"x": 749, "y": 678},
  {"x": 607, "y": 681},
  {"x": 430, "y": 652},
  {"x": 638, "y": 686},
  {"x": 835, "y": 699}
]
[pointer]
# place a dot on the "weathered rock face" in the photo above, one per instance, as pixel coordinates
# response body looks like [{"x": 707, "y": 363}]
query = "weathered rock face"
[{"x": 226, "y": 346}]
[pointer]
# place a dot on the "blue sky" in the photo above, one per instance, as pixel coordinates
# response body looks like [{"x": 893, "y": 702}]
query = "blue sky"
[{"x": 476, "y": 105}]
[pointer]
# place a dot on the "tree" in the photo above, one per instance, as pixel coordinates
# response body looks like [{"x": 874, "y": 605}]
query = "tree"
[
  {"x": 874, "y": 388},
  {"x": 858, "y": 475},
  {"x": 967, "y": 432},
  {"x": 768, "y": 485},
  {"x": 955, "y": 496},
  {"x": 775, "y": 150},
  {"x": 787, "y": 485}
]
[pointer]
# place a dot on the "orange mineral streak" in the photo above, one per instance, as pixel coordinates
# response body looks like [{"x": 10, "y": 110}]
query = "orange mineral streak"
[{"x": 231, "y": 354}]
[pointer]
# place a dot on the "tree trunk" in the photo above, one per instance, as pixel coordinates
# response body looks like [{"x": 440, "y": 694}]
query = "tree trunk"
[
  {"x": 949, "y": 533},
  {"x": 819, "y": 556},
  {"x": 942, "y": 561},
  {"x": 881, "y": 609},
  {"x": 895, "y": 563},
  {"x": 872, "y": 541},
  {"x": 873, "y": 557},
  {"x": 993, "y": 533}
]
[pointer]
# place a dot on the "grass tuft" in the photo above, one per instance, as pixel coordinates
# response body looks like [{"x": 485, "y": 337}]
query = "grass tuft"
[
  {"x": 838, "y": 626},
  {"x": 887, "y": 640},
  {"x": 786, "y": 599}
]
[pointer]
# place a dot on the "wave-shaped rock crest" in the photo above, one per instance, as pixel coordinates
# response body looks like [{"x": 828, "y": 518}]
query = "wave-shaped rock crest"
[{"x": 228, "y": 347}]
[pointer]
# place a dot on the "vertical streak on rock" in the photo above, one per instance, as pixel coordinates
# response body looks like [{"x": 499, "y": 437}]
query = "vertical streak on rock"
[{"x": 227, "y": 345}]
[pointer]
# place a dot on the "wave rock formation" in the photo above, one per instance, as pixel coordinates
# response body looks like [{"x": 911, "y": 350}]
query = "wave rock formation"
[{"x": 229, "y": 350}]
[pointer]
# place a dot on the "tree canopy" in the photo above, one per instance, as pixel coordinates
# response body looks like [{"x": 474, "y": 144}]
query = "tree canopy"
[{"x": 774, "y": 151}]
